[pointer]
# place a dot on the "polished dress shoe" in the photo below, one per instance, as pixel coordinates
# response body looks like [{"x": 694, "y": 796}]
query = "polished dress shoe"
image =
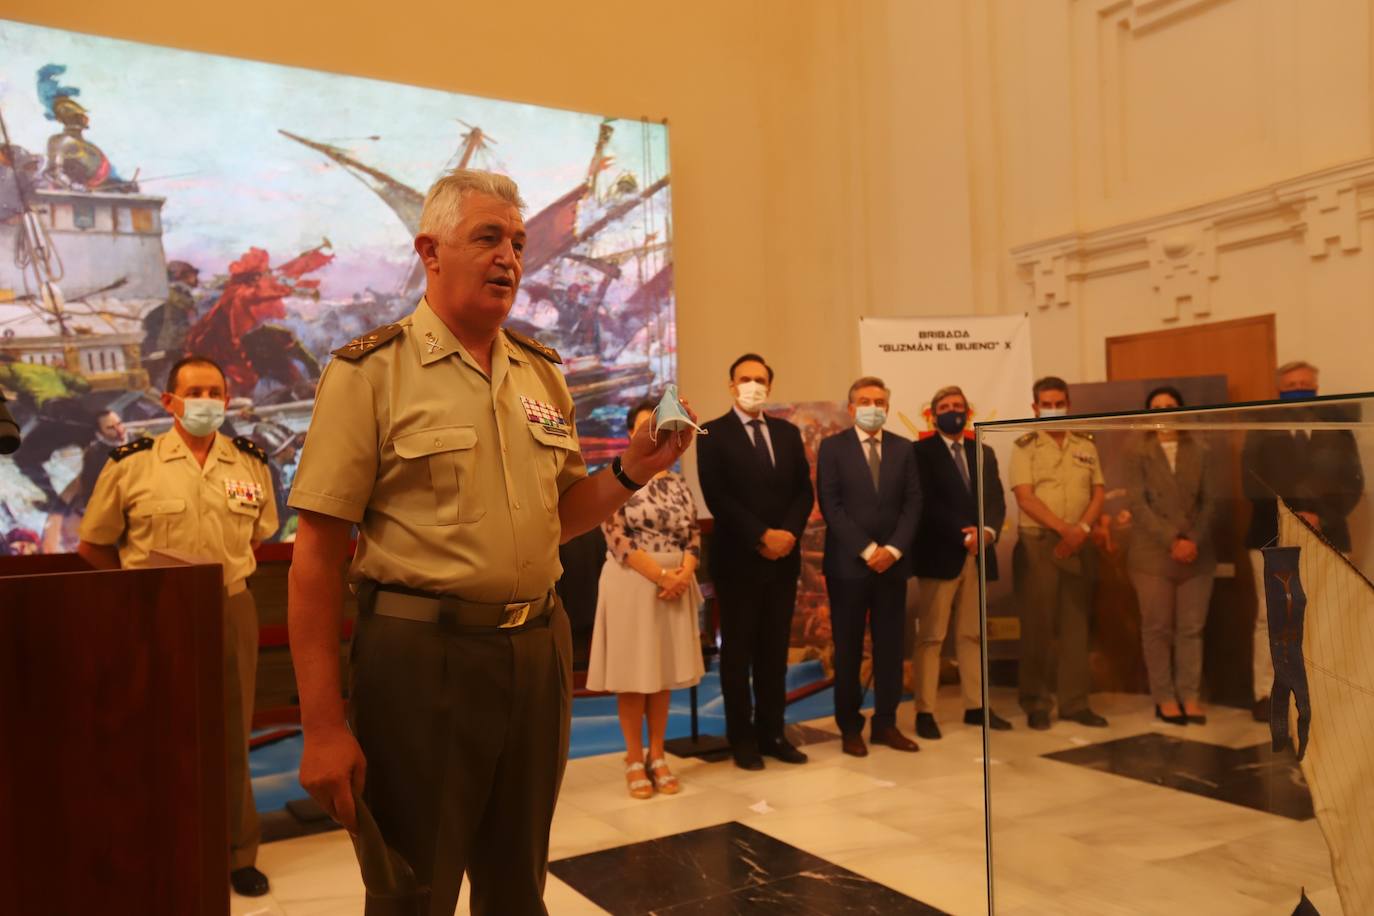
[
  {"x": 995, "y": 722},
  {"x": 1180, "y": 719},
  {"x": 248, "y": 882},
  {"x": 926, "y": 726},
  {"x": 782, "y": 750},
  {"x": 1261, "y": 710},
  {"x": 894, "y": 739},
  {"x": 747, "y": 758},
  {"x": 1039, "y": 720},
  {"x": 1086, "y": 717},
  {"x": 853, "y": 745}
]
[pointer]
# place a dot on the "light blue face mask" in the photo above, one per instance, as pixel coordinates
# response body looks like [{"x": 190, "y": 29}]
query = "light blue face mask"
[
  {"x": 201, "y": 416},
  {"x": 869, "y": 418},
  {"x": 670, "y": 417}
]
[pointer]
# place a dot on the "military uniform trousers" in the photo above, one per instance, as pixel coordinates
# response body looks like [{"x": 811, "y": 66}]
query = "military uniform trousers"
[
  {"x": 465, "y": 731},
  {"x": 240, "y": 682},
  {"x": 1055, "y": 597}
]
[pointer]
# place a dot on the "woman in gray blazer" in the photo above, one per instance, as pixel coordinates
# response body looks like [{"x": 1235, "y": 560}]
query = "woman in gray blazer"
[{"x": 1172, "y": 559}]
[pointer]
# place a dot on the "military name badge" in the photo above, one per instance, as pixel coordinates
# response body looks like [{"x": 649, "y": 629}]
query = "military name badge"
[
  {"x": 545, "y": 416},
  {"x": 243, "y": 492}
]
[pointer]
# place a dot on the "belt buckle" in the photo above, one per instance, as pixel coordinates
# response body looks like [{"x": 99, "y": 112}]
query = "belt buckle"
[{"x": 514, "y": 615}]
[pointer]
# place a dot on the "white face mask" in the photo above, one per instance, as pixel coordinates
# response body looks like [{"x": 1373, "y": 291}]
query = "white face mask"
[
  {"x": 1049, "y": 413},
  {"x": 201, "y": 416},
  {"x": 750, "y": 396},
  {"x": 870, "y": 418}
]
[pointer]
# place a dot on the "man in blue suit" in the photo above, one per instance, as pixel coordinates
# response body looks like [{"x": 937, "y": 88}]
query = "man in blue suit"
[
  {"x": 946, "y": 557},
  {"x": 870, "y": 496}
]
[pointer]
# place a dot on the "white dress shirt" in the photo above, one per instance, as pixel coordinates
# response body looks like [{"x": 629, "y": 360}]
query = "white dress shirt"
[
  {"x": 749, "y": 431},
  {"x": 863, "y": 446},
  {"x": 958, "y": 445}
]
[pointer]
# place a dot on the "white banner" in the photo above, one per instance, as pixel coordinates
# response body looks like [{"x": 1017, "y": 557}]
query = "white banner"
[{"x": 989, "y": 357}]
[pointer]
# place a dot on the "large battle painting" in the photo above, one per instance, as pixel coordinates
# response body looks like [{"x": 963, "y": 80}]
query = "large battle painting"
[{"x": 155, "y": 203}]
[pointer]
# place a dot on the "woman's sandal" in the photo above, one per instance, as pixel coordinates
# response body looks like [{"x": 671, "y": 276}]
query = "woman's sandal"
[
  {"x": 641, "y": 787},
  {"x": 663, "y": 777}
]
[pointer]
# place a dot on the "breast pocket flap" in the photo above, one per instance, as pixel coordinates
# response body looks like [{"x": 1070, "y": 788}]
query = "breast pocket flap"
[
  {"x": 434, "y": 441},
  {"x": 150, "y": 507},
  {"x": 557, "y": 440}
]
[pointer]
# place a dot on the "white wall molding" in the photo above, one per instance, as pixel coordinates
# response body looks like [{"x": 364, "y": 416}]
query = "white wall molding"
[{"x": 1181, "y": 248}]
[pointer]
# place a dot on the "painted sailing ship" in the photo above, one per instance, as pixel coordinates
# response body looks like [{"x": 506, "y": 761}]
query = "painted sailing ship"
[{"x": 566, "y": 237}]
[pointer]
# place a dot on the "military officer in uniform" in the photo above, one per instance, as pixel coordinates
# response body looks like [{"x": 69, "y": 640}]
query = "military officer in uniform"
[
  {"x": 1057, "y": 481},
  {"x": 450, "y": 442},
  {"x": 194, "y": 490}
]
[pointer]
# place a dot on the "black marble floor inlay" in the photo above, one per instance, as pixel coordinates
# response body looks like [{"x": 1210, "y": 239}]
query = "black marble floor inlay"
[
  {"x": 1255, "y": 777},
  {"x": 726, "y": 869}
]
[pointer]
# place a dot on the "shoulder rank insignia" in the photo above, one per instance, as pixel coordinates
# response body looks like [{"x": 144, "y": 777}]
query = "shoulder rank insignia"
[
  {"x": 364, "y": 344},
  {"x": 1083, "y": 435},
  {"x": 141, "y": 444},
  {"x": 249, "y": 447},
  {"x": 1027, "y": 439},
  {"x": 529, "y": 343}
]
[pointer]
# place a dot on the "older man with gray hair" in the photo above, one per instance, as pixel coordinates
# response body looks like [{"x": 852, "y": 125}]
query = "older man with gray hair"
[{"x": 450, "y": 442}]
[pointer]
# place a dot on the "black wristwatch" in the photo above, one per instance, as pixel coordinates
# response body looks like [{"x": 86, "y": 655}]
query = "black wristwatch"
[{"x": 618, "y": 469}]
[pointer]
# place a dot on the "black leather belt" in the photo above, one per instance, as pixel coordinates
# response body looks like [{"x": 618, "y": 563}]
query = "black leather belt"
[{"x": 448, "y": 610}]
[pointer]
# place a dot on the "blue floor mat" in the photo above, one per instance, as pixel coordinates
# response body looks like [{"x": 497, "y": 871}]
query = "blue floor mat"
[{"x": 595, "y": 730}]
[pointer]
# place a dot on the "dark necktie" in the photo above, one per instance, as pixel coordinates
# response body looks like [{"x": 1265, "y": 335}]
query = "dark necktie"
[
  {"x": 874, "y": 461},
  {"x": 761, "y": 444},
  {"x": 957, "y": 449}
]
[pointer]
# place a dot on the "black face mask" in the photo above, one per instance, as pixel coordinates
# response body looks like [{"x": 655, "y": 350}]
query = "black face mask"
[{"x": 952, "y": 422}]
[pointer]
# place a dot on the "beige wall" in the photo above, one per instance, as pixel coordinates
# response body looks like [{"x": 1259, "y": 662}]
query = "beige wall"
[{"x": 839, "y": 158}]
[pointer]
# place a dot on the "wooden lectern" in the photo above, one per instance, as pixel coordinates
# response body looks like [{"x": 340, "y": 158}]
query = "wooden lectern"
[{"x": 112, "y": 783}]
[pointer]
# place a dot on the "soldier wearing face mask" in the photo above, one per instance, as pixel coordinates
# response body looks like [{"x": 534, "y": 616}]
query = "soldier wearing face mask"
[
  {"x": 757, "y": 483},
  {"x": 194, "y": 490},
  {"x": 871, "y": 498},
  {"x": 1056, "y": 478}
]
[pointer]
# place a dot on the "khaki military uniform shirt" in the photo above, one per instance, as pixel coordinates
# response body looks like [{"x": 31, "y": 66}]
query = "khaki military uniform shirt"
[
  {"x": 453, "y": 477},
  {"x": 156, "y": 497},
  {"x": 1062, "y": 476}
]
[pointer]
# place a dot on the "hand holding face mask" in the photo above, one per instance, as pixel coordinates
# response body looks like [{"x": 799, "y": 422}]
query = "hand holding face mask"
[{"x": 670, "y": 416}]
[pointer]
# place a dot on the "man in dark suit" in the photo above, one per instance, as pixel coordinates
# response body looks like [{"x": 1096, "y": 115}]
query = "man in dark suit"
[
  {"x": 871, "y": 499},
  {"x": 1318, "y": 473},
  {"x": 757, "y": 484},
  {"x": 946, "y": 555}
]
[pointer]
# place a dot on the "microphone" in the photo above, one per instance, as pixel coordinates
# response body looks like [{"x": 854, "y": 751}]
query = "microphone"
[{"x": 9, "y": 430}]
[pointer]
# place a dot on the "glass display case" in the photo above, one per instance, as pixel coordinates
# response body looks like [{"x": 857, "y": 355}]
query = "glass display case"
[{"x": 1182, "y": 638}]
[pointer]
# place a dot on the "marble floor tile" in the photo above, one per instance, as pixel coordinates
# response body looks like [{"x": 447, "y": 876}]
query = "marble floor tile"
[
  {"x": 828, "y": 831},
  {"x": 826, "y": 891},
  {"x": 254, "y": 906},
  {"x": 953, "y": 880},
  {"x": 562, "y": 900},
  {"x": 574, "y": 833},
  {"x": 332, "y": 906},
  {"x": 1147, "y": 890},
  {"x": 1249, "y": 863},
  {"x": 315, "y": 867},
  {"x": 1050, "y": 863},
  {"x": 1255, "y": 777},
  {"x": 691, "y": 809}
]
